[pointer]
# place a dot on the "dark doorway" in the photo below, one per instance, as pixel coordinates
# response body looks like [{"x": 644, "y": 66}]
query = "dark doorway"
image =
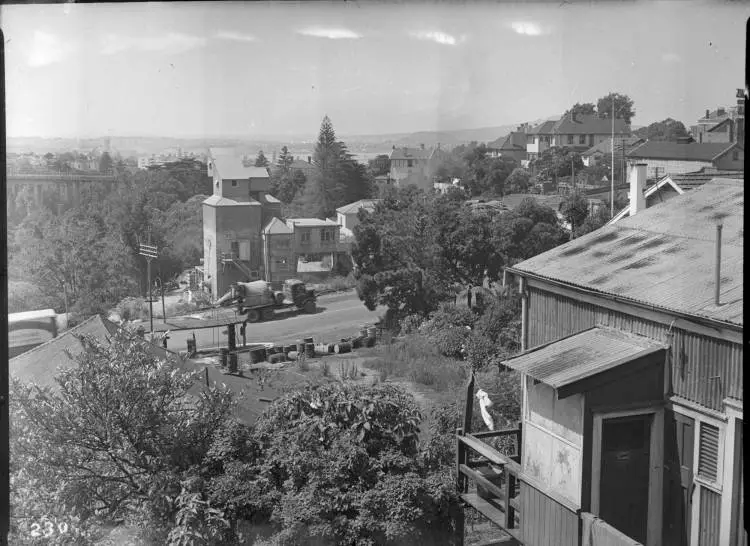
[
  {"x": 624, "y": 481},
  {"x": 679, "y": 442}
]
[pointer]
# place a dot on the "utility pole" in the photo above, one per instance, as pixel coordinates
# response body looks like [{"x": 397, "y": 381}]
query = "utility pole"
[
  {"x": 149, "y": 252},
  {"x": 612, "y": 183}
]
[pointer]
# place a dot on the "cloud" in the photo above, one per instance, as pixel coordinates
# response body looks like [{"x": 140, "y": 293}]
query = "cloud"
[
  {"x": 172, "y": 42},
  {"x": 331, "y": 33},
  {"x": 235, "y": 36},
  {"x": 527, "y": 28},
  {"x": 436, "y": 36},
  {"x": 46, "y": 49},
  {"x": 670, "y": 57}
]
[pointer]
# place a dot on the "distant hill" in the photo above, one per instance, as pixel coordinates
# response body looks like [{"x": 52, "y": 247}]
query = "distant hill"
[{"x": 298, "y": 144}]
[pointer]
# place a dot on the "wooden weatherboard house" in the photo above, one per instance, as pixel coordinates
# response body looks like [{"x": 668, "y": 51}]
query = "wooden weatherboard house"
[{"x": 632, "y": 399}]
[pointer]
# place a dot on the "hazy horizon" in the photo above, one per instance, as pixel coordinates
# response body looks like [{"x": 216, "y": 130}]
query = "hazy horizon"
[{"x": 258, "y": 70}]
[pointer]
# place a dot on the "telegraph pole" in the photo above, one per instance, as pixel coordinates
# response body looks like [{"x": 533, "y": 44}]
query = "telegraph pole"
[
  {"x": 149, "y": 252},
  {"x": 612, "y": 183}
]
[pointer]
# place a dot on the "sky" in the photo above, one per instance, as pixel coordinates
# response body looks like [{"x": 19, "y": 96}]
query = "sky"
[{"x": 256, "y": 69}]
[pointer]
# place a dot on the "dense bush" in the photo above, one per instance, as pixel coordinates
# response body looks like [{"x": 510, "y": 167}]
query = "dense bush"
[
  {"x": 448, "y": 316},
  {"x": 452, "y": 341},
  {"x": 342, "y": 466}
]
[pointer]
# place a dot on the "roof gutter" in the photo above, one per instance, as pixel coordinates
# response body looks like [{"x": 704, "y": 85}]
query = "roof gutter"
[{"x": 712, "y": 323}]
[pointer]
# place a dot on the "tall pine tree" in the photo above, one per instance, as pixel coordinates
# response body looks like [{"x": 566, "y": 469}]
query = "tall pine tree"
[{"x": 261, "y": 160}]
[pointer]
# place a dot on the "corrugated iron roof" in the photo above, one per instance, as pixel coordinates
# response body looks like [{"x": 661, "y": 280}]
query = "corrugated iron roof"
[
  {"x": 688, "y": 151},
  {"x": 40, "y": 364},
  {"x": 582, "y": 355},
  {"x": 663, "y": 256}
]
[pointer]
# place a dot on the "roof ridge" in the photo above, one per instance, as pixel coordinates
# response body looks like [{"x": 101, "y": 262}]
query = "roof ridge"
[{"x": 66, "y": 332}]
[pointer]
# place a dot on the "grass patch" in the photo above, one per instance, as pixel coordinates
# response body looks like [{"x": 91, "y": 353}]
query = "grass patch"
[
  {"x": 418, "y": 360},
  {"x": 348, "y": 370}
]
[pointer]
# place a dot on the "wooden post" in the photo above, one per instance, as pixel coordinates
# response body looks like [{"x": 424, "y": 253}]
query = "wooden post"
[
  {"x": 469, "y": 406},
  {"x": 206, "y": 370},
  {"x": 460, "y": 456},
  {"x": 510, "y": 489}
]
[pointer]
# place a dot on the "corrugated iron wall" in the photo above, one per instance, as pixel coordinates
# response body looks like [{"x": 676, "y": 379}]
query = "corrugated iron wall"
[
  {"x": 705, "y": 370},
  {"x": 545, "y": 522},
  {"x": 708, "y": 534}
]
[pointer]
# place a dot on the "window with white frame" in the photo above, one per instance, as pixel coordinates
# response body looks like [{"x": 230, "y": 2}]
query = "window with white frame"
[
  {"x": 327, "y": 235},
  {"x": 304, "y": 237}
]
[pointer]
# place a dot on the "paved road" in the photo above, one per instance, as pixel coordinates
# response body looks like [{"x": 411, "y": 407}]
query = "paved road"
[{"x": 339, "y": 315}]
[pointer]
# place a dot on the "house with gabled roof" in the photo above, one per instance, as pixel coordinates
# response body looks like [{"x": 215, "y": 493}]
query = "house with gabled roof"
[
  {"x": 512, "y": 145},
  {"x": 722, "y": 124},
  {"x": 415, "y": 166},
  {"x": 578, "y": 132},
  {"x": 685, "y": 156},
  {"x": 632, "y": 366}
]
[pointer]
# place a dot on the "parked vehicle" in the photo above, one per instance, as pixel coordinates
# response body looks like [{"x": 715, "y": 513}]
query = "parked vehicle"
[{"x": 258, "y": 301}]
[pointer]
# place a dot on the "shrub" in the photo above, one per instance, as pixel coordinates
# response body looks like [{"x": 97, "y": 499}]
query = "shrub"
[
  {"x": 343, "y": 466},
  {"x": 411, "y": 323},
  {"x": 501, "y": 322},
  {"x": 480, "y": 351},
  {"x": 452, "y": 342},
  {"x": 132, "y": 309},
  {"x": 446, "y": 317}
]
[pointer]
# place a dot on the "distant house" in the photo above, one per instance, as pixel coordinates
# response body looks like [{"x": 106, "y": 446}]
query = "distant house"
[
  {"x": 316, "y": 246},
  {"x": 308, "y": 168},
  {"x": 668, "y": 187},
  {"x": 623, "y": 145},
  {"x": 347, "y": 214},
  {"x": 723, "y": 125},
  {"x": 686, "y": 156},
  {"x": 513, "y": 145},
  {"x": 577, "y": 132},
  {"x": 416, "y": 166}
]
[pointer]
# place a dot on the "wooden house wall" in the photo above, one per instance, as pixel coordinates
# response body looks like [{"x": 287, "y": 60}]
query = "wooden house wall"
[
  {"x": 704, "y": 370},
  {"x": 545, "y": 522}
]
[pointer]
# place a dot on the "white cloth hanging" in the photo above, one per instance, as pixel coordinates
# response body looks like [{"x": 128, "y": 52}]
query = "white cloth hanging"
[{"x": 484, "y": 403}]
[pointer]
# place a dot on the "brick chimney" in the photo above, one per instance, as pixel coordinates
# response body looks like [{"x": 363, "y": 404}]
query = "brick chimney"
[
  {"x": 309, "y": 159},
  {"x": 720, "y": 112},
  {"x": 708, "y": 113},
  {"x": 421, "y": 146},
  {"x": 637, "y": 187}
]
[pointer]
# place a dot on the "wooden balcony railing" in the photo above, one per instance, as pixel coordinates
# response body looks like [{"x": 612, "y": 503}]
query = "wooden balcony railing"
[{"x": 497, "y": 489}]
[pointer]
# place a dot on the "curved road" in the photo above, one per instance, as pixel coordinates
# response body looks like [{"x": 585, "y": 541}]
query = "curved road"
[{"x": 339, "y": 315}]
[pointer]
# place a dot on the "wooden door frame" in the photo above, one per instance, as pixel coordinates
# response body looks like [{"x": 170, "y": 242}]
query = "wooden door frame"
[
  {"x": 719, "y": 487},
  {"x": 656, "y": 466},
  {"x": 730, "y": 483}
]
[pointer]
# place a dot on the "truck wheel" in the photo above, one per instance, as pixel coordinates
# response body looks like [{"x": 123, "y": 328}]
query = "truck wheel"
[
  {"x": 310, "y": 307},
  {"x": 253, "y": 315}
]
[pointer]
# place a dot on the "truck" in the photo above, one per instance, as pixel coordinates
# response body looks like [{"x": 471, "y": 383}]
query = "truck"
[{"x": 258, "y": 301}]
